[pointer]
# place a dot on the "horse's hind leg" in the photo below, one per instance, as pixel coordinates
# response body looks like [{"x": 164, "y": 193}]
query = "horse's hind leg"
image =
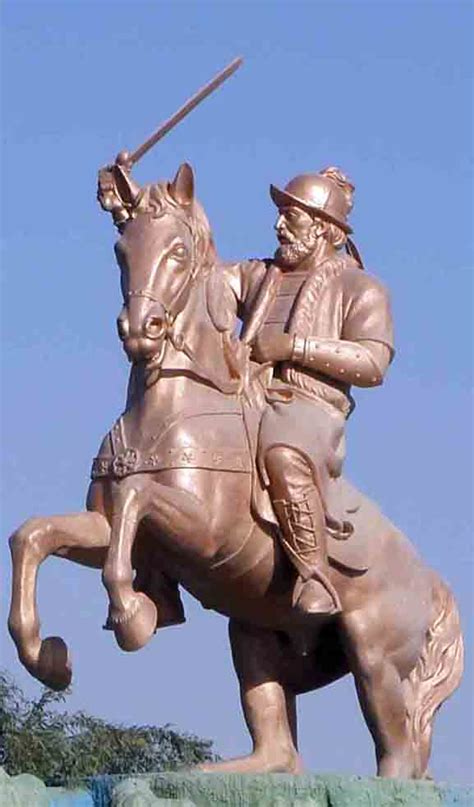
[
  {"x": 381, "y": 696},
  {"x": 268, "y": 708},
  {"x": 30, "y": 545}
]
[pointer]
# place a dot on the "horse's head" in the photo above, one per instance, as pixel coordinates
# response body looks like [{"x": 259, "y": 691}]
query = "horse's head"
[{"x": 165, "y": 243}]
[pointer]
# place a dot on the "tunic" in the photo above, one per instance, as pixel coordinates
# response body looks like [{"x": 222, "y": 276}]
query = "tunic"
[{"x": 332, "y": 299}]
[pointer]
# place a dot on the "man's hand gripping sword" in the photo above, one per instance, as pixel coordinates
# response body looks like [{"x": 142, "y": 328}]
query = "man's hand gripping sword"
[{"x": 114, "y": 178}]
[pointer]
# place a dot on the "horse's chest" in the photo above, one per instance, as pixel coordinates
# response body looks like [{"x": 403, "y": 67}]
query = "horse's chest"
[{"x": 213, "y": 440}]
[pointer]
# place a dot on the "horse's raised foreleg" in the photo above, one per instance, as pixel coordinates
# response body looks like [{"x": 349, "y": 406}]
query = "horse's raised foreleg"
[
  {"x": 178, "y": 517},
  {"x": 30, "y": 545},
  {"x": 132, "y": 614},
  {"x": 381, "y": 694},
  {"x": 268, "y": 708}
]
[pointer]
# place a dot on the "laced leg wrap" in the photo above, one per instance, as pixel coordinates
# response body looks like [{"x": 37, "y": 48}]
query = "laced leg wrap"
[{"x": 305, "y": 547}]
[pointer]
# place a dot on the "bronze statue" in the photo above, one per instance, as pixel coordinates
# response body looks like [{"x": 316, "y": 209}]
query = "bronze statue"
[{"x": 223, "y": 475}]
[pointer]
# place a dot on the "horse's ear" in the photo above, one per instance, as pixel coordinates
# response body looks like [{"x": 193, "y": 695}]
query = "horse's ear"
[
  {"x": 127, "y": 189},
  {"x": 182, "y": 186}
]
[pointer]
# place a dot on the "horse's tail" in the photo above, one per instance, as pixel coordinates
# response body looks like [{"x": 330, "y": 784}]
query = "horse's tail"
[{"x": 437, "y": 673}]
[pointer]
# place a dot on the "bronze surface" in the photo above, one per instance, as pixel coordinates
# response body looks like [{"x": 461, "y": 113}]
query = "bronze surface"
[{"x": 223, "y": 475}]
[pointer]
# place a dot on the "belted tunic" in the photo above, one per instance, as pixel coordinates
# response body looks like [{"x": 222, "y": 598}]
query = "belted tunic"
[{"x": 331, "y": 299}]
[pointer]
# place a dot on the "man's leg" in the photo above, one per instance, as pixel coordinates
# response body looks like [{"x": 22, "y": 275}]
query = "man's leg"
[{"x": 300, "y": 512}]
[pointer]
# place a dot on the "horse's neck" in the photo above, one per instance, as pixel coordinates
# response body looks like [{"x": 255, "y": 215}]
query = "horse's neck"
[
  {"x": 187, "y": 376},
  {"x": 201, "y": 340}
]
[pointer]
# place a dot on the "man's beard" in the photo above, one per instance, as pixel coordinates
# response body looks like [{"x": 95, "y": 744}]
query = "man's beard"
[{"x": 291, "y": 254}]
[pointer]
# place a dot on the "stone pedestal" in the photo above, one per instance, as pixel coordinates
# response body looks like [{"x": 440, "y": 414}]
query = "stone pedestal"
[
  {"x": 232, "y": 790},
  {"x": 274, "y": 790}
]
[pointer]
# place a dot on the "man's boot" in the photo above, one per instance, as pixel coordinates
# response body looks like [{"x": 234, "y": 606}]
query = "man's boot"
[{"x": 304, "y": 541}]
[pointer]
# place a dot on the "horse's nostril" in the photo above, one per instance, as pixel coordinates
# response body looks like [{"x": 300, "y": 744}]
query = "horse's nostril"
[
  {"x": 154, "y": 327},
  {"x": 122, "y": 328}
]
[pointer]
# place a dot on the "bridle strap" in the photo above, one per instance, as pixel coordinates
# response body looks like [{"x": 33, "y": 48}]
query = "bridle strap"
[
  {"x": 177, "y": 340},
  {"x": 142, "y": 293},
  {"x": 188, "y": 279}
]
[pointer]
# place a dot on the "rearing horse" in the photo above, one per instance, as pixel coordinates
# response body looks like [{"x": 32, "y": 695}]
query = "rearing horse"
[{"x": 175, "y": 495}]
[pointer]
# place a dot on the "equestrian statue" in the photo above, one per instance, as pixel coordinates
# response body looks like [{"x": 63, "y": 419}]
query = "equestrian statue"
[{"x": 224, "y": 476}]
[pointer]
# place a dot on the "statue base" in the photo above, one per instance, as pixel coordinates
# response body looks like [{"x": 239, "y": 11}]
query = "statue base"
[
  {"x": 234, "y": 790},
  {"x": 274, "y": 790}
]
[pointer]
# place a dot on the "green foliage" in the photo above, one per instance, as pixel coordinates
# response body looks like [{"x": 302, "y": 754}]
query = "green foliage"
[{"x": 59, "y": 747}]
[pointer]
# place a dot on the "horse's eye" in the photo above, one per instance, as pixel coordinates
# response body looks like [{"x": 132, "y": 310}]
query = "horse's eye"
[{"x": 179, "y": 252}]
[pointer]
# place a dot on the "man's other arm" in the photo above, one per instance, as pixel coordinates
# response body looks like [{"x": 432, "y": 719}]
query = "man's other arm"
[{"x": 363, "y": 353}]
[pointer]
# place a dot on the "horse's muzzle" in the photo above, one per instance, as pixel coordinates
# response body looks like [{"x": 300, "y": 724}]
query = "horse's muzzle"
[{"x": 142, "y": 348}]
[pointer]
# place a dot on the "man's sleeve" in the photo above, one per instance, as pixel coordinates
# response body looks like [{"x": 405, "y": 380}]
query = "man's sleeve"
[{"x": 367, "y": 311}]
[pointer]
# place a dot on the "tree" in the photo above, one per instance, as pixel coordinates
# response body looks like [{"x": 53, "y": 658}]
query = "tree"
[{"x": 63, "y": 748}]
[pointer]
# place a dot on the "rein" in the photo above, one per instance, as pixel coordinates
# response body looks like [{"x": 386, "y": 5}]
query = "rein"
[
  {"x": 205, "y": 373},
  {"x": 179, "y": 343}
]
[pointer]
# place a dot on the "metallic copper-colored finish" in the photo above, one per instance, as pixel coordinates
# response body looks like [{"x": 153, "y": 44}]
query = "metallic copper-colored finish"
[
  {"x": 178, "y": 116},
  {"x": 223, "y": 475},
  {"x": 318, "y": 193}
]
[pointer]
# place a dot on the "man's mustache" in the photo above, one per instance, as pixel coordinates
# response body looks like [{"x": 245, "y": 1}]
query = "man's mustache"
[{"x": 285, "y": 237}]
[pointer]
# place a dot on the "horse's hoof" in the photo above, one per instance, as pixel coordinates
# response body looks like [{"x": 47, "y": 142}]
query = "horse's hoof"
[
  {"x": 54, "y": 667},
  {"x": 134, "y": 629},
  {"x": 278, "y": 761}
]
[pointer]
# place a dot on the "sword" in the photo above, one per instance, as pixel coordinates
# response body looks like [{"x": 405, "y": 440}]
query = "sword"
[{"x": 126, "y": 160}]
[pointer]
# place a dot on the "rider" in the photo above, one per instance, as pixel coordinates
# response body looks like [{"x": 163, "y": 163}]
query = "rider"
[{"x": 324, "y": 324}]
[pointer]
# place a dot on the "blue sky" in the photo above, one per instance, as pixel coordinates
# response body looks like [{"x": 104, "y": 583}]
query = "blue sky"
[{"x": 382, "y": 89}]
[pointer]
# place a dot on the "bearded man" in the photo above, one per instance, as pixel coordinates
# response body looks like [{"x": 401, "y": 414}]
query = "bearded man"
[{"x": 324, "y": 324}]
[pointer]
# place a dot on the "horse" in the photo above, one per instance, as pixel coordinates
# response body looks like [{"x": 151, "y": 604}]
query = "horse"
[{"x": 174, "y": 498}]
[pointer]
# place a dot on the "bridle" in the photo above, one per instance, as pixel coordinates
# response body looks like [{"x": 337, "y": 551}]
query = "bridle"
[
  {"x": 174, "y": 307},
  {"x": 171, "y": 310}
]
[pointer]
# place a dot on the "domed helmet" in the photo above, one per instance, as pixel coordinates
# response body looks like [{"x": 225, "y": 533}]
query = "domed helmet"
[{"x": 327, "y": 194}]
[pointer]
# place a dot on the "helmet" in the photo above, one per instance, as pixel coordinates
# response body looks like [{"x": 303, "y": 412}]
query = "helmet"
[{"x": 329, "y": 194}]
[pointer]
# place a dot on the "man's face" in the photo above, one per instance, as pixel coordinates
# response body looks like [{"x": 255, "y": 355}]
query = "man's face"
[{"x": 297, "y": 233}]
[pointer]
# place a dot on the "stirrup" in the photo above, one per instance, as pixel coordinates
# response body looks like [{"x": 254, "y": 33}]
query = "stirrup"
[{"x": 309, "y": 603}]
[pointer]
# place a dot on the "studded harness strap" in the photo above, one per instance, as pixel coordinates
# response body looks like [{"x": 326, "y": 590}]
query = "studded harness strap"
[{"x": 125, "y": 460}]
